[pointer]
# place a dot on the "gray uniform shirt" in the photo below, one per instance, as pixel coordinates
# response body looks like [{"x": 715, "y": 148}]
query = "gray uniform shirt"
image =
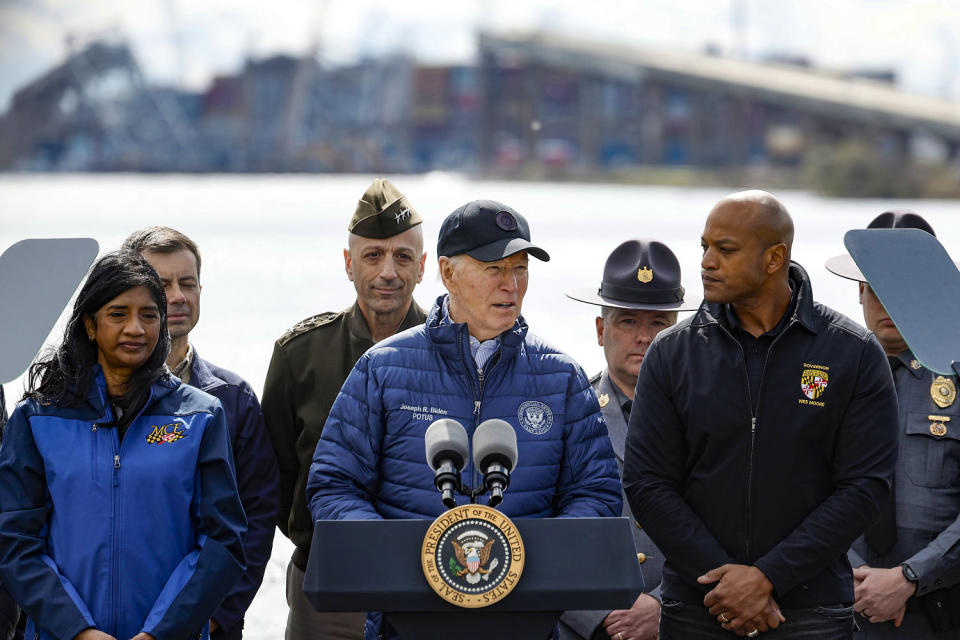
[
  {"x": 583, "y": 624},
  {"x": 927, "y": 486}
]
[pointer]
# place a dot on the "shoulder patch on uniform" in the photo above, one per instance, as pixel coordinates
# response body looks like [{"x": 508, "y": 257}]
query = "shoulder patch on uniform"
[{"x": 306, "y": 325}]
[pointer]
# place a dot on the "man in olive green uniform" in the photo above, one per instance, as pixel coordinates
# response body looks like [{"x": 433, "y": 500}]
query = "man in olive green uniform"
[{"x": 384, "y": 260}]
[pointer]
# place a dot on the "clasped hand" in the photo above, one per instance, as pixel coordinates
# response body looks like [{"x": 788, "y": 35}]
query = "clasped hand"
[
  {"x": 743, "y": 596},
  {"x": 881, "y": 594}
]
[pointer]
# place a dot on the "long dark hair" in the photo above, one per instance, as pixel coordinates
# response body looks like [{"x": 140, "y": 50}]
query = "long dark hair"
[{"x": 63, "y": 376}]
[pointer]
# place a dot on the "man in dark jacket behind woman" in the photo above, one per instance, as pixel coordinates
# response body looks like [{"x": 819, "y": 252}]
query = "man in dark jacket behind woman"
[
  {"x": 176, "y": 259},
  {"x": 766, "y": 443}
]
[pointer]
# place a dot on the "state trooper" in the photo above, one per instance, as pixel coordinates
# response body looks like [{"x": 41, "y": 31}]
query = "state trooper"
[
  {"x": 384, "y": 259},
  {"x": 639, "y": 296},
  {"x": 907, "y": 565}
]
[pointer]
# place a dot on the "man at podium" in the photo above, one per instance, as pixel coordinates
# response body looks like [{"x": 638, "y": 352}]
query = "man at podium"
[{"x": 473, "y": 360}]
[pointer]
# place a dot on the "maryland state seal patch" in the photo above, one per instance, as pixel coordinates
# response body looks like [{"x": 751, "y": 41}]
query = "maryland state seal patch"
[{"x": 813, "y": 382}]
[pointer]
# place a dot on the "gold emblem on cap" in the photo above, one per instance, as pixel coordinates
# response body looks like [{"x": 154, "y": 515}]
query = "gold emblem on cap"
[
  {"x": 938, "y": 425},
  {"x": 943, "y": 392},
  {"x": 604, "y": 400},
  {"x": 645, "y": 274},
  {"x": 915, "y": 364}
]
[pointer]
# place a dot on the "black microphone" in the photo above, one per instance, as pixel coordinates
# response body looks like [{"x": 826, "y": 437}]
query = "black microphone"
[
  {"x": 495, "y": 454},
  {"x": 447, "y": 453}
]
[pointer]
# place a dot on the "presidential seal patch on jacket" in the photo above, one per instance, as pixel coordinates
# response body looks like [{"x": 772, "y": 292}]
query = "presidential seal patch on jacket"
[{"x": 535, "y": 416}]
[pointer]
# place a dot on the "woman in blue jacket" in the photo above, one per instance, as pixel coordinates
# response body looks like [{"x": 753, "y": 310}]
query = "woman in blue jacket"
[{"x": 119, "y": 515}]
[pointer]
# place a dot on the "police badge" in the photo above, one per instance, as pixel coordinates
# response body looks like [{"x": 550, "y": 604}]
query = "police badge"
[{"x": 943, "y": 392}]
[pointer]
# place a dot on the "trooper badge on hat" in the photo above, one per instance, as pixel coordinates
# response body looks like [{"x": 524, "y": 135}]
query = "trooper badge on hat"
[
  {"x": 383, "y": 212},
  {"x": 640, "y": 274}
]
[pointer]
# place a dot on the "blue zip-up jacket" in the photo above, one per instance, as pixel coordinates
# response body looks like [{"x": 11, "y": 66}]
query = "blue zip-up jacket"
[
  {"x": 370, "y": 461},
  {"x": 142, "y": 534},
  {"x": 257, "y": 479}
]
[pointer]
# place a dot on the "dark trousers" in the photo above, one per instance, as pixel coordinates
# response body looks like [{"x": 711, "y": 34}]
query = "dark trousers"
[
  {"x": 685, "y": 621},
  {"x": 233, "y": 633},
  {"x": 8, "y": 616}
]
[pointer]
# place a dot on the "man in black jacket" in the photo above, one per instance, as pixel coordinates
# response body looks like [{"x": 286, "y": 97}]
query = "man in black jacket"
[{"x": 766, "y": 443}]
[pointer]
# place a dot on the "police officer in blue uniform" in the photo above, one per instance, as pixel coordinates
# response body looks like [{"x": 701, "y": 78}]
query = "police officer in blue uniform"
[
  {"x": 639, "y": 296},
  {"x": 907, "y": 565}
]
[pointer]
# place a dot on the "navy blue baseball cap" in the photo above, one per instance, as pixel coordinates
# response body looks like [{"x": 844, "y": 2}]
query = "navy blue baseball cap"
[{"x": 486, "y": 231}]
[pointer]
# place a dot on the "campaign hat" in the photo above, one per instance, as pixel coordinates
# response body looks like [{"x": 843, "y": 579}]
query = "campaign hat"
[
  {"x": 487, "y": 231},
  {"x": 383, "y": 212},
  {"x": 640, "y": 274},
  {"x": 844, "y": 265}
]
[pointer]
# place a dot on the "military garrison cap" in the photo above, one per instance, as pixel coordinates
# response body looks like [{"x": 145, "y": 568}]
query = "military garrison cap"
[{"x": 383, "y": 212}]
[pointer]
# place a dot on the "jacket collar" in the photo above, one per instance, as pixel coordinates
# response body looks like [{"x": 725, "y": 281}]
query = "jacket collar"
[
  {"x": 201, "y": 376},
  {"x": 907, "y": 359},
  {"x": 613, "y": 414},
  {"x": 357, "y": 324},
  {"x": 453, "y": 340},
  {"x": 97, "y": 393},
  {"x": 803, "y": 313}
]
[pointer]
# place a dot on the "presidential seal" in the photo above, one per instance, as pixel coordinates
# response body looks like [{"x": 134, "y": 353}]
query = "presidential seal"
[
  {"x": 472, "y": 556},
  {"x": 535, "y": 416}
]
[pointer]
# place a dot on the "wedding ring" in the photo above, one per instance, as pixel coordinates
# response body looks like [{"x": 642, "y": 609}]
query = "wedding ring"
[
  {"x": 619, "y": 636},
  {"x": 754, "y": 633},
  {"x": 723, "y": 618}
]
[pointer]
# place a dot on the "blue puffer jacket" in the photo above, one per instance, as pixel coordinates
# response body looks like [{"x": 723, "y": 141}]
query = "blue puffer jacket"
[
  {"x": 370, "y": 462},
  {"x": 142, "y": 534}
]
